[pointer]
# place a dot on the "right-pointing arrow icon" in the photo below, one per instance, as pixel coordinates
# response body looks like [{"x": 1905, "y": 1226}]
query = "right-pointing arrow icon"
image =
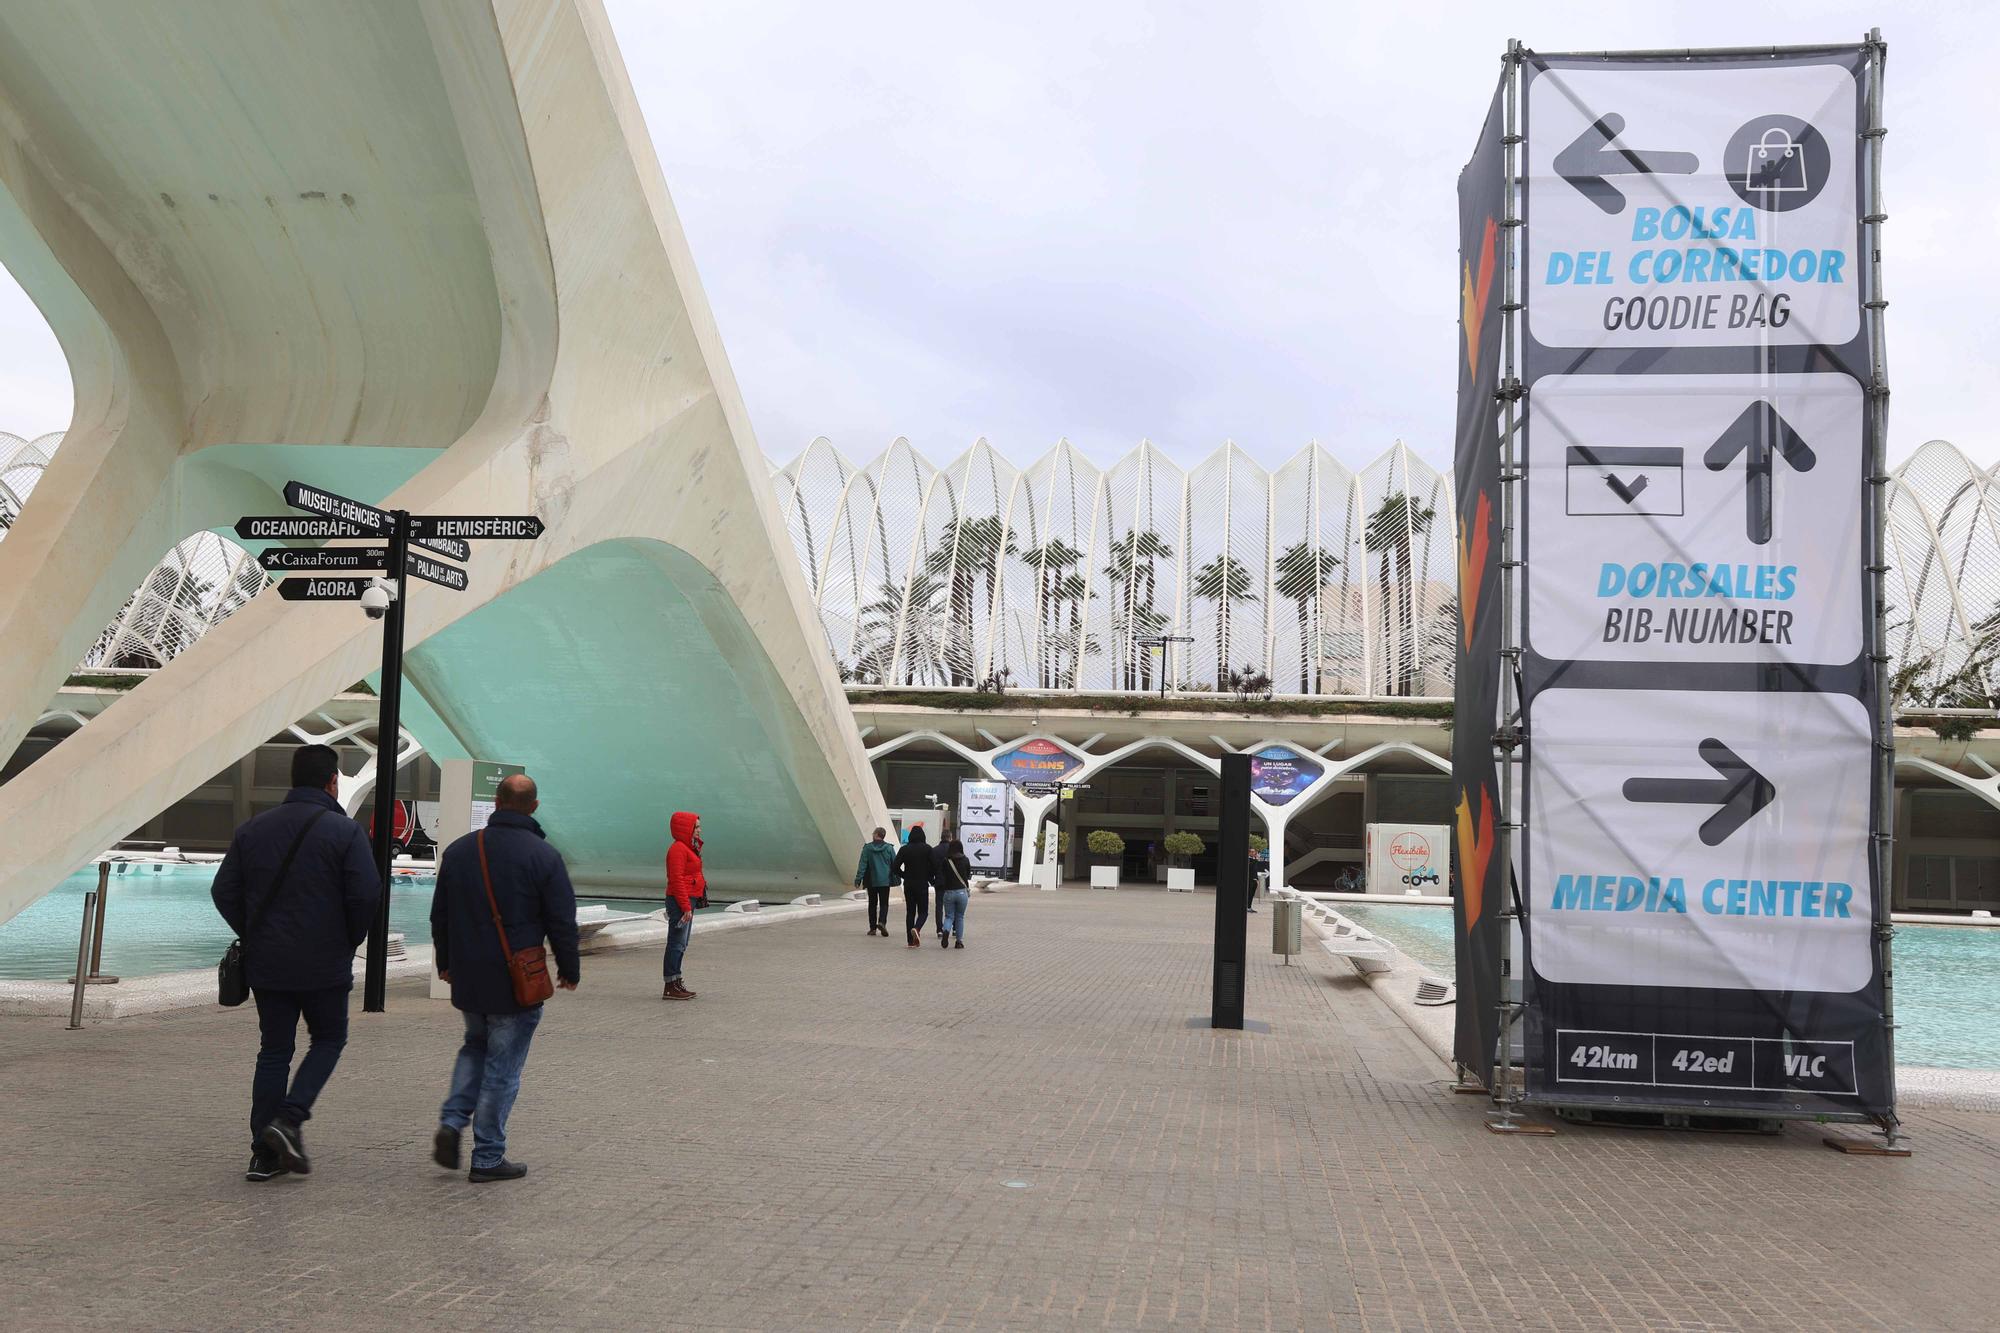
[
  {"x": 1758, "y": 434},
  {"x": 1590, "y": 158},
  {"x": 1739, "y": 789}
]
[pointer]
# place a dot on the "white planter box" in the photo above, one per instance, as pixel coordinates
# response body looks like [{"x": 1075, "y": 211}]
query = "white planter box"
[
  {"x": 1180, "y": 879},
  {"x": 1104, "y": 877}
]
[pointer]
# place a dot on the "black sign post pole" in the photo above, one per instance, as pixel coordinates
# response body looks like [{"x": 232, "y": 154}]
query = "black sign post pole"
[
  {"x": 388, "y": 736},
  {"x": 1232, "y": 897}
]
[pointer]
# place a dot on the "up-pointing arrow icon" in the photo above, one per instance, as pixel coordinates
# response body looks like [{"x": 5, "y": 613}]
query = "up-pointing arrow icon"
[
  {"x": 1590, "y": 158},
  {"x": 1739, "y": 789},
  {"x": 1757, "y": 434}
]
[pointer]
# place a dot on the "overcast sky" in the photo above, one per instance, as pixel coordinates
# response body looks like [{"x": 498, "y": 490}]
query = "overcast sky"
[{"x": 1178, "y": 221}]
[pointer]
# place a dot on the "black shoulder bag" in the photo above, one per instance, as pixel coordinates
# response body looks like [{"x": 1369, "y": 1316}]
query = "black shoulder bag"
[{"x": 232, "y": 986}]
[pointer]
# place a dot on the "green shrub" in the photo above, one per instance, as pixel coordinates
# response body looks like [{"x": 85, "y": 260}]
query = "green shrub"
[
  {"x": 1258, "y": 842},
  {"x": 1062, "y": 843},
  {"x": 1103, "y": 842},
  {"x": 1184, "y": 843}
]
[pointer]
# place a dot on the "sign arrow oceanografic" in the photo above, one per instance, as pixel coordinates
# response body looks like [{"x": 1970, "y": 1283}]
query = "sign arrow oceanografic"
[
  {"x": 1757, "y": 434},
  {"x": 1590, "y": 158},
  {"x": 1739, "y": 789}
]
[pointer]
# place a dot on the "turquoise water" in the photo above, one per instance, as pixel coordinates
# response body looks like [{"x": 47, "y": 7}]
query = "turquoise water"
[
  {"x": 164, "y": 922},
  {"x": 1947, "y": 980}
]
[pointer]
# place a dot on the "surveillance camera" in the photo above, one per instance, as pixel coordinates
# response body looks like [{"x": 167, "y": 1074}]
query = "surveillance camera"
[{"x": 375, "y": 599}]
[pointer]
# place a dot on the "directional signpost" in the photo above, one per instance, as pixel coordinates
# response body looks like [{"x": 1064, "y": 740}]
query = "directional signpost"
[
  {"x": 1689, "y": 685},
  {"x": 332, "y": 517},
  {"x": 986, "y": 823}
]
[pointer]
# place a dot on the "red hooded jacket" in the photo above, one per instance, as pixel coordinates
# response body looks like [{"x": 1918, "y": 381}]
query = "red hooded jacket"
[{"x": 685, "y": 882}]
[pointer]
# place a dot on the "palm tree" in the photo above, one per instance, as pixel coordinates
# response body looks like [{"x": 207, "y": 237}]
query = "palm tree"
[
  {"x": 1392, "y": 529},
  {"x": 1049, "y": 559},
  {"x": 1224, "y": 581},
  {"x": 1301, "y": 572},
  {"x": 965, "y": 557},
  {"x": 915, "y": 609},
  {"x": 1132, "y": 563}
]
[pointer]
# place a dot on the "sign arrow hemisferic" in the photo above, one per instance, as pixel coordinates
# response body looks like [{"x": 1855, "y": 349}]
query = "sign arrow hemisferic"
[
  {"x": 1740, "y": 790},
  {"x": 1753, "y": 434},
  {"x": 1590, "y": 158}
]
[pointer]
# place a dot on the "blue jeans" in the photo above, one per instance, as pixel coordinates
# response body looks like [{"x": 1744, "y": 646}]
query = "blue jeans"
[
  {"x": 680, "y": 929},
  {"x": 487, "y": 1078},
  {"x": 951, "y": 911},
  {"x": 278, "y": 1015}
]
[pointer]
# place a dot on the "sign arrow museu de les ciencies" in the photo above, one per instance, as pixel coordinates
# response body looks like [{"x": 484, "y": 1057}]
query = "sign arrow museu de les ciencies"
[
  {"x": 1758, "y": 434},
  {"x": 1740, "y": 790},
  {"x": 1590, "y": 158}
]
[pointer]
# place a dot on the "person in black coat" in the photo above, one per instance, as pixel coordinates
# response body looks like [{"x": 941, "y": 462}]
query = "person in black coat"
[
  {"x": 916, "y": 863},
  {"x": 531, "y": 893},
  {"x": 299, "y": 936}
]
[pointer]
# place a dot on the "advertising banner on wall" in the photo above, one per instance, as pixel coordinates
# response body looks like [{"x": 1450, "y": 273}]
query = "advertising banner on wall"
[
  {"x": 1280, "y": 775},
  {"x": 1697, "y": 858},
  {"x": 1037, "y": 760},
  {"x": 1479, "y": 873},
  {"x": 1407, "y": 859}
]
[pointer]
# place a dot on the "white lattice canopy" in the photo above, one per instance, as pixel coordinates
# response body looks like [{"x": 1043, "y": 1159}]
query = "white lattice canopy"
[{"x": 1055, "y": 575}]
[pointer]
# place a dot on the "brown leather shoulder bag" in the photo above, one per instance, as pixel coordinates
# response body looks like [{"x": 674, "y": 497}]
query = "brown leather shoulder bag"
[{"x": 528, "y": 968}]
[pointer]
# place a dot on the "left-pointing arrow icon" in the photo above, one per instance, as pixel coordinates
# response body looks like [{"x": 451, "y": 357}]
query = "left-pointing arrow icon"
[
  {"x": 1759, "y": 433},
  {"x": 1590, "y": 158},
  {"x": 1739, "y": 789}
]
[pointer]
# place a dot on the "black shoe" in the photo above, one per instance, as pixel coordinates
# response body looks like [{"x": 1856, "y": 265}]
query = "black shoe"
[
  {"x": 480, "y": 1175},
  {"x": 282, "y": 1139},
  {"x": 444, "y": 1147},
  {"x": 264, "y": 1166},
  {"x": 944, "y": 942},
  {"x": 959, "y": 943}
]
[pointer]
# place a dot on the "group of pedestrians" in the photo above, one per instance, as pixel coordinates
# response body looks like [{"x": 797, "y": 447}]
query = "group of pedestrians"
[
  {"x": 300, "y": 890},
  {"x": 922, "y": 869}
]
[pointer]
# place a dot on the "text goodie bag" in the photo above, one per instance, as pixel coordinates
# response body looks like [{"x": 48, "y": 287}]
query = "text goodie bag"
[
  {"x": 527, "y": 969},
  {"x": 232, "y": 985}
]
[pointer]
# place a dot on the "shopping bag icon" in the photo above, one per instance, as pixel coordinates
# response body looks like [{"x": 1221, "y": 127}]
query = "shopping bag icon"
[{"x": 1775, "y": 164}]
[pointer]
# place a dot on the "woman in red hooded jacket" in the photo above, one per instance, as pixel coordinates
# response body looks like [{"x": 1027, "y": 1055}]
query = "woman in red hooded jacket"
[{"x": 685, "y": 883}]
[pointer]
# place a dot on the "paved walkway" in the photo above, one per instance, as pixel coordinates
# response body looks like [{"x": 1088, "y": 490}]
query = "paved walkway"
[{"x": 826, "y": 1138}]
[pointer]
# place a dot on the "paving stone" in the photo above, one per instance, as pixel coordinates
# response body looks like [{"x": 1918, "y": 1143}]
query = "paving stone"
[{"x": 824, "y": 1139}]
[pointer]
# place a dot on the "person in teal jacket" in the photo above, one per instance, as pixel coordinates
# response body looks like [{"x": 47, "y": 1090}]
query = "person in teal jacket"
[{"x": 876, "y": 873}]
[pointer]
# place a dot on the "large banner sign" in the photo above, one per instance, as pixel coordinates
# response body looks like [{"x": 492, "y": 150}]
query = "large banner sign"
[
  {"x": 1477, "y": 870},
  {"x": 1697, "y": 863}
]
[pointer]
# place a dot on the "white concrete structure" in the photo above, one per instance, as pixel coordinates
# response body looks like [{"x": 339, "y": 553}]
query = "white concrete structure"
[
  {"x": 1053, "y": 570},
  {"x": 1274, "y": 816},
  {"x": 420, "y": 254}
]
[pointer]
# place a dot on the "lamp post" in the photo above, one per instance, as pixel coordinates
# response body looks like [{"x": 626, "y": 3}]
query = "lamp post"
[{"x": 1161, "y": 641}]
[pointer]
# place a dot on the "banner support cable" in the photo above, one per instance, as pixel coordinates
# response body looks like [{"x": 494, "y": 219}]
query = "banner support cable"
[
  {"x": 1875, "y": 53},
  {"x": 1508, "y": 739}
]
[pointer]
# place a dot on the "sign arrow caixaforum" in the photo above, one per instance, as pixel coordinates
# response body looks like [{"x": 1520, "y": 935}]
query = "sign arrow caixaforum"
[{"x": 323, "y": 559}]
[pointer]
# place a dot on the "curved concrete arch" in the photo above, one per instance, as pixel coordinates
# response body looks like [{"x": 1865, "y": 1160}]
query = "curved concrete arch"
[
  {"x": 519, "y": 221},
  {"x": 1986, "y": 789}
]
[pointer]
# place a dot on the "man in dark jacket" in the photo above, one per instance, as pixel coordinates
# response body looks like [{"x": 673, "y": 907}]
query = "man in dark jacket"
[
  {"x": 299, "y": 932},
  {"x": 532, "y": 894},
  {"x": 876, "y": 871},
  {"x": 915, "y": 865}
]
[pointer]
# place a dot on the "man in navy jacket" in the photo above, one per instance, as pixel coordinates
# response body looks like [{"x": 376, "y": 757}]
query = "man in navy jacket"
[
  {"x": 532, "y": 890},
  {"x": 299, "y": 958}
]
